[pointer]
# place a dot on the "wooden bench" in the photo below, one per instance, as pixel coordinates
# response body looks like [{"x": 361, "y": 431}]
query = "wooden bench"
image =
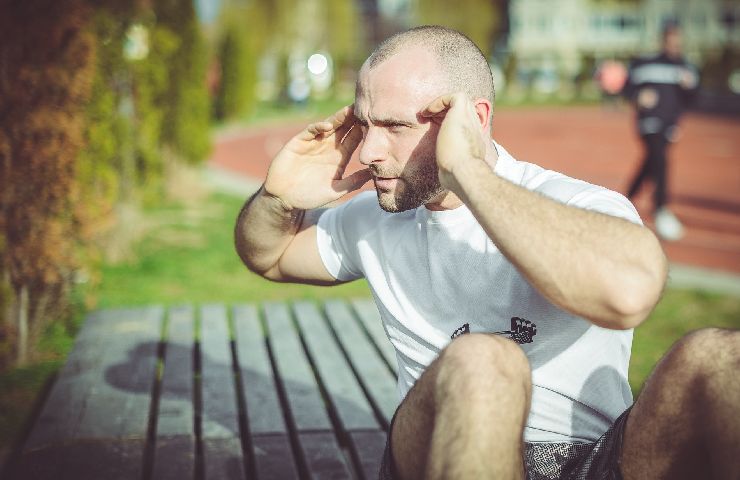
[{"x": 275, "y": 391}]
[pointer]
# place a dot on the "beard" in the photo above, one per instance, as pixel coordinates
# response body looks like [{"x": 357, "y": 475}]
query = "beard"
[{"x": 413, "y": 189}]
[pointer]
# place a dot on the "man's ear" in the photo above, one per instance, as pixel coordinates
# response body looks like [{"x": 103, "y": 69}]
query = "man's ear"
[{"x": 483, "y": 109}]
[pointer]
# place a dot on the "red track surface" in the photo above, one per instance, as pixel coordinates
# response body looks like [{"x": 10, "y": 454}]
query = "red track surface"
[{"x": 598, "y": 146}]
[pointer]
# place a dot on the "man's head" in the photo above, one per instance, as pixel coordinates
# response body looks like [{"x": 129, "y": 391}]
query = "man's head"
[
  {"x": 401, "y": 77},
  {"x": 672, "y": 40}
]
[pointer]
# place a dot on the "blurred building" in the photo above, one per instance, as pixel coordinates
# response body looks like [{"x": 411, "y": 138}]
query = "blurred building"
[{"x": 570, "y": 36}]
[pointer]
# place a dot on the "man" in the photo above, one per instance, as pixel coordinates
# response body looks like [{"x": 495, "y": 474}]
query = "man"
[
  {"x": 660, "y": 87},
  {"x": 538, "y": 277}
]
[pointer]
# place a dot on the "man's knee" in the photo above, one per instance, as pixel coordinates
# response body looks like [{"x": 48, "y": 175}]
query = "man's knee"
[
  {"x": 706, "y": 350},
  {"x": 486, "y": 362},
  {"x": 700, "y": 364}
]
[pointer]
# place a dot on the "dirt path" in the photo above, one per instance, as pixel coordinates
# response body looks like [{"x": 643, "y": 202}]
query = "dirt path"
[{"x": 598, "y": 146}]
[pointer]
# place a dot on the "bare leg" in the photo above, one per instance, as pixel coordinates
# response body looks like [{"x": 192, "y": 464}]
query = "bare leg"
[
  {"x": 686, "y": 422},
  {"x": 464, "y": 417}
]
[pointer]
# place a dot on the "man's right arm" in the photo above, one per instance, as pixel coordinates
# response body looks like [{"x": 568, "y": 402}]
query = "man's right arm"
[
  {"x": 275, "y": 233},
  {"x": 279, "y": 243}
]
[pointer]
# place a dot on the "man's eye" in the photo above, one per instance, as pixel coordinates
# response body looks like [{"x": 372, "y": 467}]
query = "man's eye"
[{"x": 396, "y": 127}]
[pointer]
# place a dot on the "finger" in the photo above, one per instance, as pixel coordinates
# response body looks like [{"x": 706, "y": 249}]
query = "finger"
[
  {"x": 351, "y": 141},
  {"x": 353, "y": 182},
  {"x": 341, "y": 117},
  {"x": 441, "y": 104},
  {"x": 349, "y": 122},
  {"x": 316, "y": 129}
]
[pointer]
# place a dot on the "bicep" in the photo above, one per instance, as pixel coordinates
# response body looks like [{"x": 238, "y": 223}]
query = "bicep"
[{"x": 301, "y": 261}]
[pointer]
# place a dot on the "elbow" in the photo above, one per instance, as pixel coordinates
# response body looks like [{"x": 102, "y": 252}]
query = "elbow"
[
  {"x": 629, "y": 309},
  {"x": 634, "y": 298},
  {"x": 630, "y": 313},
  {"x": 257, "y": 264},
  {"x": 268, "y": 272}
]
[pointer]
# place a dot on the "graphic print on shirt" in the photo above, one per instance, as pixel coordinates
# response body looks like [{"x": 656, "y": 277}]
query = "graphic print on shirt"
[{"x": 522, "y": 331}]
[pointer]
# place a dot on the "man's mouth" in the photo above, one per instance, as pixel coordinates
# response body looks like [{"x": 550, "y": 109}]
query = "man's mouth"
[{"x": 385, "y": 183}]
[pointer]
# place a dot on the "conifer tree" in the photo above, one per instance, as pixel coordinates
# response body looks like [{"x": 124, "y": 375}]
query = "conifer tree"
[
  {"x": 47, "y": 64},
  {"x": 238, "y": 73},
  {"x": 185, "y": 103}
]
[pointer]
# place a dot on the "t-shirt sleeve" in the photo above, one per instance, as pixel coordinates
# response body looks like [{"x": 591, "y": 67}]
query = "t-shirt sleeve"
[
  {"x": 581, "y": 194},
  {"x": 336, "y": 236},
  {"x": 609, "y": 202}
]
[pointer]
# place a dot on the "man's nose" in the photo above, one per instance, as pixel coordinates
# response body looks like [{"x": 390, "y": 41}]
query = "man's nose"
[{"x": 374, "y": 147}]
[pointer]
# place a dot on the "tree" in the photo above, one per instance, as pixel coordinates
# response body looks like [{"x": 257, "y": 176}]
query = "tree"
[
  {"x": 47, "y": 63},
  {"x": 478, "y": 19},
  {"x": 237, "y": 57},
  {"x": 344, "y": 35},
  {"x": 185, "y": 102}
]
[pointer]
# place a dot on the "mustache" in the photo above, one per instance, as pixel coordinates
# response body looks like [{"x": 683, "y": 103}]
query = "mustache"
[{"x": 377, "y": 172}]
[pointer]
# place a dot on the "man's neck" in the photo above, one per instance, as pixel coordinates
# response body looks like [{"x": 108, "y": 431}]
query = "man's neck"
[
  {"x": 447, "y": 200},
  {"x": 444, "y": 201}
]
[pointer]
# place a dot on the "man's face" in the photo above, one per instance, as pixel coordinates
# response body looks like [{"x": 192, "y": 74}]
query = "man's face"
[
  {"x": 672, "y": 43},
  {"x": 398, "y": 144}
]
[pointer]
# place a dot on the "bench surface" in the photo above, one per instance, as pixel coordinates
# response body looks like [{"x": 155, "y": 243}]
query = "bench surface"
[{"x": 271, "y": 391}]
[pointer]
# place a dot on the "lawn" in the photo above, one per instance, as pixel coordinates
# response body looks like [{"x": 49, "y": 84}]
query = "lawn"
[{"x": 185, "y": 253}]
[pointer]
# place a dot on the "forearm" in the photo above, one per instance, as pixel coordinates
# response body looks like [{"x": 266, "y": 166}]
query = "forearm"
[
  {"x": 603, "y": 268},
  {"x": 264, "y": 230}
]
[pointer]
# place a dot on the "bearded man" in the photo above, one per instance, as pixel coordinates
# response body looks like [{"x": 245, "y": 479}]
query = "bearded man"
[{"x": 508, "y": 291}]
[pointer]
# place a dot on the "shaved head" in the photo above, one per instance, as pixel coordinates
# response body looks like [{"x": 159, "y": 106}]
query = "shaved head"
[{"x": 463, "y": 64}]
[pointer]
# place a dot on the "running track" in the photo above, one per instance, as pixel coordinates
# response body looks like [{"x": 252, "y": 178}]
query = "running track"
[{"x": 599, "y": 146}]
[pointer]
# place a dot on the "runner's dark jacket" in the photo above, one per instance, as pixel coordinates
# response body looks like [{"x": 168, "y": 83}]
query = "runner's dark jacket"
[{"x": 662, "y": 74}]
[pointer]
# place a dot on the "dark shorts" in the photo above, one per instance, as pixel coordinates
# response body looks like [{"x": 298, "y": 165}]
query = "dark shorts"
[{"x": 563, "y": 461}]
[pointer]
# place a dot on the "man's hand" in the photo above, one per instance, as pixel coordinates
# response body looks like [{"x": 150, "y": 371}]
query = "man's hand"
[
  {"x": 460, "y": 143},
  {"x": 309, "y": 170},
  {"x": 687, "y": 79}
]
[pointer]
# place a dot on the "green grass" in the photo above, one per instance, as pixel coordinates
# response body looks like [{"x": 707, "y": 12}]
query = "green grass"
[
  {"x": 194, "y": 260},
  {"x": 186, "y": 255}
]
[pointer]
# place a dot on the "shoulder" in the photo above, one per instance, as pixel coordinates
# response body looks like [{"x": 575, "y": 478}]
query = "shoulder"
[{"x": 568, "y": 190}]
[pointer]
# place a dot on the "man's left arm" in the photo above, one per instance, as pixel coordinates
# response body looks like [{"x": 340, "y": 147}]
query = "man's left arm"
[{"x": 603, "y": 268}]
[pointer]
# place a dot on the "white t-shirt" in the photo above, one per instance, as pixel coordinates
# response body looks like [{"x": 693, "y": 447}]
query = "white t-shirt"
[{"x": 431, "y": 272}]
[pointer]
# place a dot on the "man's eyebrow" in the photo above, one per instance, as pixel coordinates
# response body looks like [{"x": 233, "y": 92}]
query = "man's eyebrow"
[{"x": 384, "y": 121}]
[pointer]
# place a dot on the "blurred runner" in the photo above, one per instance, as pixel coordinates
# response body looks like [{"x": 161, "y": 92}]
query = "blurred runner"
[{"x": 660, "y": 87}]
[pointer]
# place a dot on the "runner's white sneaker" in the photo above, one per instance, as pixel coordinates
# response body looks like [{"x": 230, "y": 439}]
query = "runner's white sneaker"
[{"x": 667, "y": 225}]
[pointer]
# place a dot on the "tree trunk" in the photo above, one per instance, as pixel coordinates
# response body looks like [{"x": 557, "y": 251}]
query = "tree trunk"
[
  {"x": 22, "y": 305},
  {"x": 6, "y": 289},
  {"x": 39, "y": 316}
]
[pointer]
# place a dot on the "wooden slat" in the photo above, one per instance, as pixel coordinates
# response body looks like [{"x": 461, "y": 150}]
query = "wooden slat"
[
  {"x": 367, "y": 311},
  {"x": 306, "y": 404},
  {"x": 270, "y": 442},
  {"x": 118, "y": 459},
  {"x": 372, "y": 371},
  {"x": 323, "y": 456},
  {"x": 174, "y": 454},
  {"x": 350, "y": 402},
  {"x": 222, "y": 452},
  {"x": 63, "y": 408},
  {"x": 101, "y": 399},
  {"x": 174, "y": 458},
  {"x": 263, "y": 405},
  {"x": 118, "y": 406},
  {"x": 369, "y": 447},
  {"x": 273, "y": 457}
]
